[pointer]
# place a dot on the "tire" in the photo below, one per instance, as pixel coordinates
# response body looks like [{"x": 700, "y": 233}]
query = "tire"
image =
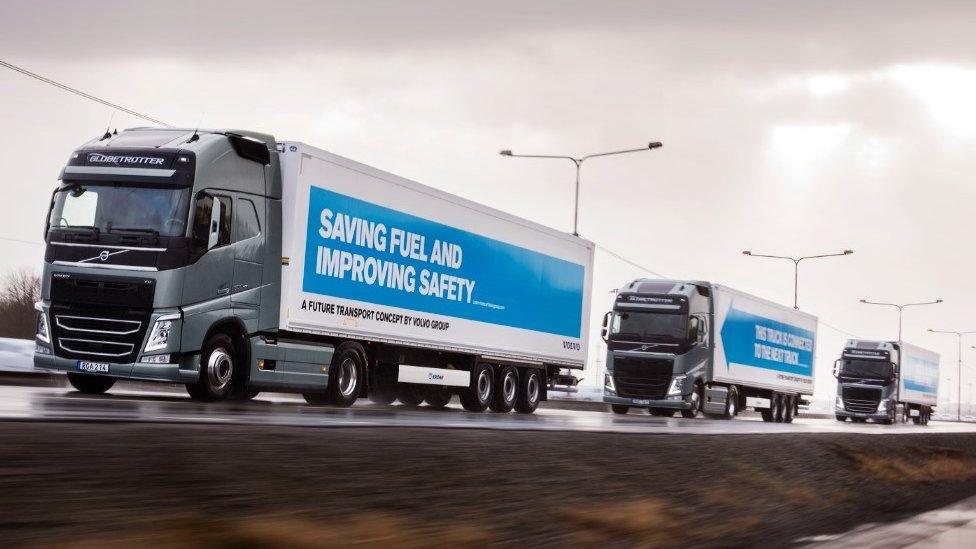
[
  {"x": 661, "y": 412},
  {"x": 841, "y": 418},
  {"x": 89, "y": 384},
  {"x": 917, "y": 420},
  {"x": 383, "y": 389},
  {"x": 477, "y": 396},
  {"x": 696, "y": 400},
  {"x": 731, "y": 403},
  {"x": 243, "y": 395},
  {"x": 506, "y": 390},
  {"x": 620, "y": 409},
  {"x": 780, "y": 408},
  {"x": 789, "y": 408},
  {"x": 316, "y": 399},
  {"x": 220, "y": 370},
  {"x": 769, "y": 414},
  {"x": 411, "y": 394},
  {"x": 438, "y": 397},
  {"x": 346, "y": 374},
  {"x": 529, "y": 391}
]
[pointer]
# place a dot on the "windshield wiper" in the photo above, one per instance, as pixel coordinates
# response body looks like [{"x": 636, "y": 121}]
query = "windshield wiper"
[
  {"x": 133, "y": 230},
  {"x": 79, "y": 231}
]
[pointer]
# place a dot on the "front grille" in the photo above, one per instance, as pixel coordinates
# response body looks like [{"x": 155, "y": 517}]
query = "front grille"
[
  {"x": 646, "y": 378},
  {"x": 114, "y": 335},
  {"x": 861, "y": 399}
]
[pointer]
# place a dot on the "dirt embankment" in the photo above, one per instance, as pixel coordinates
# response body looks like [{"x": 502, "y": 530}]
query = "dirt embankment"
[{"x": 231, "y": 486}]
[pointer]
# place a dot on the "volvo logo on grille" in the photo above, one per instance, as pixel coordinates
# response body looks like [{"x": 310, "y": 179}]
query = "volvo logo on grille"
[{"x": 104, "y": 256}]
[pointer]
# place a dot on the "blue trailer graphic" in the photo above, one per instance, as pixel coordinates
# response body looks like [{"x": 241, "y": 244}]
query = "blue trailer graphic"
[
  {"x": 362, "y": 251},
  {"x": 761, "y": 342}
]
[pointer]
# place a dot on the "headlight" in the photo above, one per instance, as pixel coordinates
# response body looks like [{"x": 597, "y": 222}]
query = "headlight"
[
  {"x": 883, "y": 406},
  {"x": 608, "y": 383},
  {"x": 839, "y": 403},
  {"x": 159, "y": 336},
  {"x": 43, "y": 334},
  {"x": 676, "y": 384}
]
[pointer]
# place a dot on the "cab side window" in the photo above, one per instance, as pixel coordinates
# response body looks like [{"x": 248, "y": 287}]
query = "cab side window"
[
  {"x": 247, "y": 220},
  {"x": 210, "y": 231}
]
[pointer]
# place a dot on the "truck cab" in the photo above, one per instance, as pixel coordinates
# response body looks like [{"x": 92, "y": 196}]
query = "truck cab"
[
  {"x": 658, "y": 346},
  {"x": 160, "y": 243},
  {"x": 867, "y": 381}
]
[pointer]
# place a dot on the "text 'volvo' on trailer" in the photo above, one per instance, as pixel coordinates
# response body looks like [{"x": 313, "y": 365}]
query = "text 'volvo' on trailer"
[
  {"x": 234, "y": 264},
  {"x": 696, "y": 347}
]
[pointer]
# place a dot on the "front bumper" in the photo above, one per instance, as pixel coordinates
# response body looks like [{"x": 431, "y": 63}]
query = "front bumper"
[
  {"x": 880, "y": 416},
  {"x": 645, "y": 403},
  {"x": 187, "y": 370}
]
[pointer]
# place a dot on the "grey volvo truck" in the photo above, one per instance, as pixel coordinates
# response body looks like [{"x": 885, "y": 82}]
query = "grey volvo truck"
[
  {"x": 698, "y": 347},
  {"x": 233, "y": 264}
]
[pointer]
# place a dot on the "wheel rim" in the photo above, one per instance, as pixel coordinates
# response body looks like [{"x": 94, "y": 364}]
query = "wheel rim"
[
  {"x": 695, "y": 400},
  {"x": 509, "y": 386},
  {"x": 348, "y": 377},
  {"x": 220, "y": 368},
  {"x": 533, "y": 388},
  {"x": 732, "y": 406},
  {"x": 484, "y": 385}
]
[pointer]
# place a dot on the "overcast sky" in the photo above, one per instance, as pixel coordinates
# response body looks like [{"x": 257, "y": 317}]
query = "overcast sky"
[{"x": 791, "y": 128}]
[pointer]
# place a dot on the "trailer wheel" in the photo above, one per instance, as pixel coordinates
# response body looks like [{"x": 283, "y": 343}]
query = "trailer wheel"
[
  {"x": 218, "y": 369},
  {"x": 696, "y": 403},
  {"x": 438, "y": 397},
  {"x": 506, "y": 390},
  {"x": 789, "y": 408},
  {"x": 411, "y": 394},
  {"x": 769, "y": 414},
  {"x": 89, "y": 384},
  {"x": 529, "y": 391},
  {"x": 619, "y": 409},
  {"x": 345, "y": 375},
  {"x": 477, "y": 396},
  {"x": 383, "y": 383},
  {"x": 731, "y": 403},
  {"x": 780, "y": 408}
]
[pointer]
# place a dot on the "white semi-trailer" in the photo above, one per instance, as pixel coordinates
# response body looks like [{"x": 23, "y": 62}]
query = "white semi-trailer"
[
  {"x": 886, "y": 381},
  {"x": 691, "y": 346},
  {"x": 234, "y": 264}
]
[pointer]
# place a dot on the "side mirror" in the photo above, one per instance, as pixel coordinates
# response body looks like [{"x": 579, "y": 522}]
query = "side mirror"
[
  {"x": 606, "y": 321},
  {"x": 213, "y": 235}
]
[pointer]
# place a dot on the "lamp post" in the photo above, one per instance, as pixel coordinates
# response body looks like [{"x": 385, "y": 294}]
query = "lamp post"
[
  {"x": 901, "y": 308},
  {"x": 796, "y": 267},
  {"x": 959, "y": 371},
  {"x": 579, "y": 162}
]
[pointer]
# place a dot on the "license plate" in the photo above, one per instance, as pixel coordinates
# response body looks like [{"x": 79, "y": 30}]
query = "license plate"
[
  {"x": 641, "y": 401},
  {"x": 92, "y": 367}
]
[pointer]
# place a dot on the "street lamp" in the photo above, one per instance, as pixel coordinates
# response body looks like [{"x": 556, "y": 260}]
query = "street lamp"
[
  {"x": 959, "y": 373},
  {"x": 796, "y": 267},
  {"x": 579, "y": 162},
  {"x": 900, "y": 309}
]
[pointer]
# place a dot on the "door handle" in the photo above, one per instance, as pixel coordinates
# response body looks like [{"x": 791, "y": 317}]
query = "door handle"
[{"x": 223, "y": 291}]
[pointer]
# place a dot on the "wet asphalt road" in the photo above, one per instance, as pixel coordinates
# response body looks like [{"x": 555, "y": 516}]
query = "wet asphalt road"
[{"x": 136, "y": 405}]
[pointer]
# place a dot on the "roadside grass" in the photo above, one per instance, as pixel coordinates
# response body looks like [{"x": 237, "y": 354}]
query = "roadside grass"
[{"x": 371, "y": 529}]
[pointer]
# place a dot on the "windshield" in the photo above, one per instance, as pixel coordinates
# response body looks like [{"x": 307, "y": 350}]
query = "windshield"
[
  {"x": 868, "y": 369},
  {"x": 635, "y": 326},
  {"x": 110, "y": 207}
]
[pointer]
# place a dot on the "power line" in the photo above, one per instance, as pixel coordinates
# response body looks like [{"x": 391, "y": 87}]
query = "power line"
[
  {"x": 67, "y": 88},
  {"x": 8, "y": 239},
  {"x": 629, "y": 262}
]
